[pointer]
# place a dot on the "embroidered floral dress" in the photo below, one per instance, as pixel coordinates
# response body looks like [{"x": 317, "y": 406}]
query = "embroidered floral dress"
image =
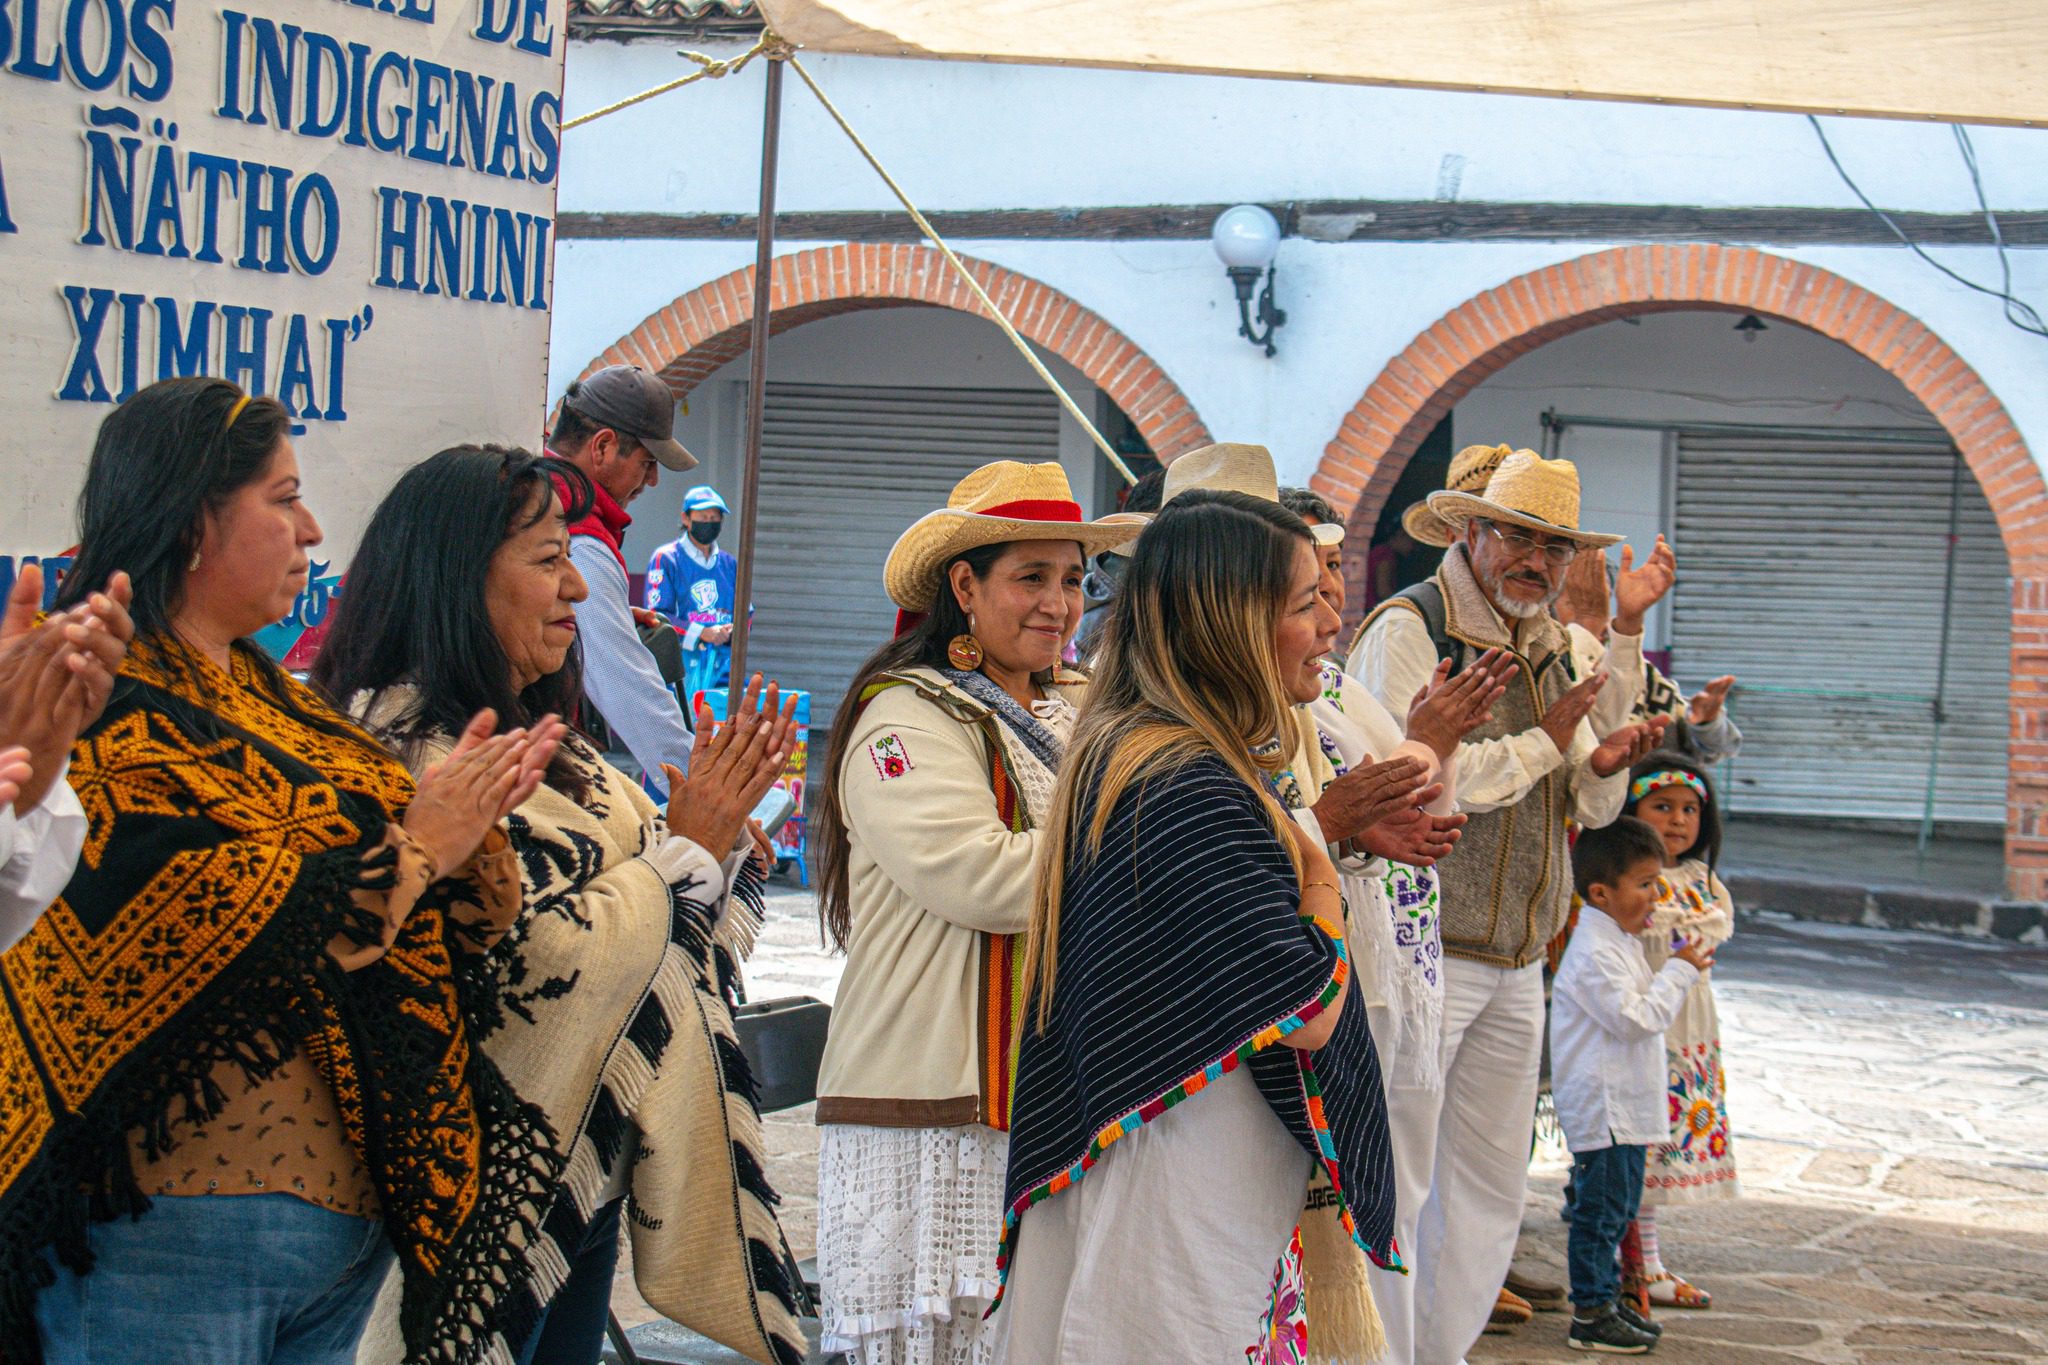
[{"x": 1698, "y": 1162}]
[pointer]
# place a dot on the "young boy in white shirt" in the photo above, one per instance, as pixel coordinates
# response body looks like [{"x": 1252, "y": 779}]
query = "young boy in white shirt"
[{"x": 1608, "y": 1013}]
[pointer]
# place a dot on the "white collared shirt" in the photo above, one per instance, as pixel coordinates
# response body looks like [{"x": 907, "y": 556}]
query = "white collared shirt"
[
  {"x": 1608, "y": 1014},
  {"x": 38, "y": 852},
  {"x": 1397, "y": 658}
]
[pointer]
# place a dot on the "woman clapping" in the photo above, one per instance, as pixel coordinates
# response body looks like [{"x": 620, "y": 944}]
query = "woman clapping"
[{"x": 613, "y": 987}]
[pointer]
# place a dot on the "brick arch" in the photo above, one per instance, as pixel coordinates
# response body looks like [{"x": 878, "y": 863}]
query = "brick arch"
[
  {"x": 1483, "y": 335},
  {"x": 705, "y": 329}
]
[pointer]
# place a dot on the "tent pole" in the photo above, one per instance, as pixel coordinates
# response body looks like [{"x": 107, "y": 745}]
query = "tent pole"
[{"x": 757, "y": 378}]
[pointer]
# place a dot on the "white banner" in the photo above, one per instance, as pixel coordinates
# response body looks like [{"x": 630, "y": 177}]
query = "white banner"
[{"x": 347, "y": 204}]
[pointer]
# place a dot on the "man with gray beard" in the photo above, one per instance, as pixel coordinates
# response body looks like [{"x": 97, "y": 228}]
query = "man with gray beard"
[{"x": 1506, "y": 887}]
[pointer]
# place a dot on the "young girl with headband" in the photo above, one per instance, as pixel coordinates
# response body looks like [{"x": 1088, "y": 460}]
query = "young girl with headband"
[{"x": 1673, "y": 796}]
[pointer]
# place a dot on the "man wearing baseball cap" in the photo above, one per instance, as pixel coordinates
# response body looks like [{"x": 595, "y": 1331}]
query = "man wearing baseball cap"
[{"x": 618, "y": 426}]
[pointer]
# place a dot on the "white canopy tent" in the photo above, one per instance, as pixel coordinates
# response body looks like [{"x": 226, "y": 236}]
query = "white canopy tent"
[{"x": 1982, "y": 61}]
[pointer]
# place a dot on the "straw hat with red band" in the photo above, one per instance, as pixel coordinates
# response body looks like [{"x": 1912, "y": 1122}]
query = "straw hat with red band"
[{"x": 997, "y": 503}]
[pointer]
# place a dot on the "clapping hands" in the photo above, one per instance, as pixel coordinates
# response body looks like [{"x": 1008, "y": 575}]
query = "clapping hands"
[
  {"x": 732, "y": 766},
  {"x": 56, "y": 677}
]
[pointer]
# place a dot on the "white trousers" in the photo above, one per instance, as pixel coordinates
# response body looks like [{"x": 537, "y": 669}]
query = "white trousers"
[
  {"x": 1411, "y": 1123},
  {"x": 1493, "y": 1045}
]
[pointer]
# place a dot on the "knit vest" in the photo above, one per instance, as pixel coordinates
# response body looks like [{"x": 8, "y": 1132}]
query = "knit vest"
[{"x": 1507, "y": 884}]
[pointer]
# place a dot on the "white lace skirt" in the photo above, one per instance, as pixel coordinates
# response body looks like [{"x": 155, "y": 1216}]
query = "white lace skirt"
[{"x": 908, "y": 1220}]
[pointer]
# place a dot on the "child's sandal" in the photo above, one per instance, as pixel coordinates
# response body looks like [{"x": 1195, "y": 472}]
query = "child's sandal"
[
  {"x": 1636, "y": 1289},
  {"x": 1666, "y": 1290}
]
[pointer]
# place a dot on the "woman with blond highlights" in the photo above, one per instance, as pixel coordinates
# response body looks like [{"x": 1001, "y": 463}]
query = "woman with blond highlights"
[{"x": 1185, "y": 987}]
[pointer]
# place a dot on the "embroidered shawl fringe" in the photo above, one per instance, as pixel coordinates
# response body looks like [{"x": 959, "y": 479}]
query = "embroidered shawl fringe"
[
  {"x": 779, "y": 1297},
  {"x": 698, "y": 961},
  {"x": 254, "y": 1017},
  {"x": 456, "y": 1317},
  {"x": 595, "y": 1153}
]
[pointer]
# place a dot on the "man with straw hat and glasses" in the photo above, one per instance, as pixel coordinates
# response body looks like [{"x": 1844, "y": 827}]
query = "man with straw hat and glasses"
[
  {"x": 1507, "y": 884},
  {"x": 1618, "y": 632}
]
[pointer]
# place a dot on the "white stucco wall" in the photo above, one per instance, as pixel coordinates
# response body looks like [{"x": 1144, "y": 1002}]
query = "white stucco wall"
[
  {"x": 996, "y": 136},
  {"x": 1670, "y": 367},
  {"x": 919, "y": 347}
]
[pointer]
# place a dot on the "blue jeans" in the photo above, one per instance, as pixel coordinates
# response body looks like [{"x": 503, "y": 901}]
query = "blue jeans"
[
  {"x": 1608, "y": 1189},
  {"x": 571, "y": 1328},
  {"x": 246, "y": 1279}
]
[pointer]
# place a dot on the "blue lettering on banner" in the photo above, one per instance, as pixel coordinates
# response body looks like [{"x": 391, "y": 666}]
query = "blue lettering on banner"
[
  {"x": 6, "y": 223},
  {"x": 93, "y": 43},
  {"x": 231, "y": 340},
  {"x": 427, "y": 244},
  {"x": 298, "y": 79},
  {"x": 288, "y": 221}
]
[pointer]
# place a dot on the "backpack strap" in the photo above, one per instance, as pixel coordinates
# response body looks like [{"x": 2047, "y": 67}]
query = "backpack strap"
[{"x": 1426, "y": 600}]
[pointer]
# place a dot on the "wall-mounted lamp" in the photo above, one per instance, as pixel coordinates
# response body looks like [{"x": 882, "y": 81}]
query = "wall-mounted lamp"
[
  {"x": 1247, "y": 238},
  {"x": 1750, "y": 325}
]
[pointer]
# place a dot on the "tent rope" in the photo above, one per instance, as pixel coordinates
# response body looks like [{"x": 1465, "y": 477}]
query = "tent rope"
[
  {"x": 769, "y": 45},
  {"x": 995, "y": 314},
  {"x": 772, "y": 46}
]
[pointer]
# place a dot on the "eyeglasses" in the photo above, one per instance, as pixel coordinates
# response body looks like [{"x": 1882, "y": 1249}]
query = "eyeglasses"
[{"x": 1555, "y": 552}]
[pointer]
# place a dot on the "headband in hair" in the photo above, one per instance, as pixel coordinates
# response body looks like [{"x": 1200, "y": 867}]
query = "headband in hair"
[
  {"x": 235, "y": 411},
  {"x": 1668, "y": 777}
]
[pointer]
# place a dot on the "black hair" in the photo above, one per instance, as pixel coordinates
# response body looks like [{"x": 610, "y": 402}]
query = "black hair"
[
  {"x": 1311, "y": 506},
  {"x": 1708, "y": 846},
  {"x": 414, "y": 609},
  {"x": 572, "y": 429},
  {"x": 1602, "y": 857},
  {"x": 1146, "y": 493},
  {"x": 163, "y": 461},
  {"x": 924, "y": 645}
]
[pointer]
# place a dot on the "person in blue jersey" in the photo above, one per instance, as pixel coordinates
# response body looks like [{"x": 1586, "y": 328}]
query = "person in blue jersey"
[{"x": 694, "y": 584}]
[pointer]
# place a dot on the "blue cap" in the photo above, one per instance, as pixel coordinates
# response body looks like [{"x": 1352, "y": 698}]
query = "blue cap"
[{"x": 704, "y": 496}]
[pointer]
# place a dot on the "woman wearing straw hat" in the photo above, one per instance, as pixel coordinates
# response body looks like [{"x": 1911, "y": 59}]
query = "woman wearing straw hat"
[{"x": 942, "y": 764}]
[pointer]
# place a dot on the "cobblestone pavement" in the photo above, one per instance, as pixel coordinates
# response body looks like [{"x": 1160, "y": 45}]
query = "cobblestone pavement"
[{"x": 1890, "y": 1099}]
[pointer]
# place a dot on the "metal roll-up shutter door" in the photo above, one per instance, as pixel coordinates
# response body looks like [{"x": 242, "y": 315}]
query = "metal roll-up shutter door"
[
  {"x": 1818, "y": 572},
  {"x": 843, "y": 471}
]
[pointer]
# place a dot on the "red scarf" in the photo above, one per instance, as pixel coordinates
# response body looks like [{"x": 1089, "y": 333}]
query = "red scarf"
[{"x": 607, "y": 521}]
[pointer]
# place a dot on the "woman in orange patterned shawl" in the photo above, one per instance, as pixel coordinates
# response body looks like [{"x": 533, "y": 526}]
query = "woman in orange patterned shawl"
[{"x": 237, "y": 1061}]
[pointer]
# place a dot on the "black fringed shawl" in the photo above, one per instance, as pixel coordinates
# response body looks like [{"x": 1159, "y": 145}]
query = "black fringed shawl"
[
  {"x": 230, "y": 823},
  {"x": 1182, "y": 953}
]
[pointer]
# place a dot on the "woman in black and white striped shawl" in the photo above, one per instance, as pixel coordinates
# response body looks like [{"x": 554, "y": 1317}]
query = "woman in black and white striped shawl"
[
  {"x": 1190, "y": 1085},
  {"x": 613, "y": 989}
]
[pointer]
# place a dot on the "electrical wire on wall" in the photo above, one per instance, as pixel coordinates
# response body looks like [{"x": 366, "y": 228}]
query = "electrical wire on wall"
[{"x": 2018, "y": 312}]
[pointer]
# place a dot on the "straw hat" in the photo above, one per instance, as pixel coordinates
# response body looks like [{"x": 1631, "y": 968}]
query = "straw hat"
[
  {"x": 1527, "y": 490},
  {"x": 999, "y": 502},
  {"x": 1470, "y": 469},
  {"x": 1232, "y": 468}
]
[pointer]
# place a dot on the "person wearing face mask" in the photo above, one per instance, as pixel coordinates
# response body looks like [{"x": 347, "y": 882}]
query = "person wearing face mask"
[{"x": 694, "y": 584}]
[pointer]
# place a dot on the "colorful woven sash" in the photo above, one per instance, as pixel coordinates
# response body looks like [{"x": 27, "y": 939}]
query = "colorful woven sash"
[{"x": 1000, "y": 989}]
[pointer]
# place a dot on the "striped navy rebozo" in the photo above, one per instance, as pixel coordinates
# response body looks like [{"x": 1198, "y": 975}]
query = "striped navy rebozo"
[{"x": 1182, "y": 952}]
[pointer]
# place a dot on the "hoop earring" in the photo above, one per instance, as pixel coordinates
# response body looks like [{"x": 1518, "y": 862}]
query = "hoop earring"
[
  {"x": 964, "y": 651},
  {"x": 194, "y": 565}
]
